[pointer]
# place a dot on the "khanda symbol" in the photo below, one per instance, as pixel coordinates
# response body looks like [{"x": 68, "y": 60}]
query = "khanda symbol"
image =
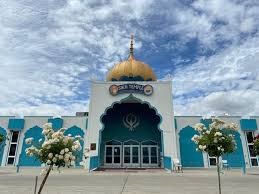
[{"x": 131, "y": 121}]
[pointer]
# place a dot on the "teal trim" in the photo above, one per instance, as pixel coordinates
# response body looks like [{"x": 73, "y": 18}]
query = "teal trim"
[
  {"x": 36, "y": 133},
  {"x": 248, "y": 124},
  {"x": 189, "y": 156},
  {"x": 167, "y": 162},
  {"x": 57, "y": 123},
  {"x": 206, "y": 122},
  {"x": 2, "y": 145},
  {"x": 175, "y": 123},
  {"x": 74, "y": 131},
  {"x": 235, "y": 159},
  {"x": 86, "y": 124},
  {"x": 16, "y": 124},
  {"x": 94, "y": 162}
]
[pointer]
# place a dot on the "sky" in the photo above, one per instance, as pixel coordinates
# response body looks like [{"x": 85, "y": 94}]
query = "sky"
[{"x": 51, "y": 50}]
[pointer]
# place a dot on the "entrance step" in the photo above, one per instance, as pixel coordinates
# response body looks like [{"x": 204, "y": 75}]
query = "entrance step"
[{"x": 135, "y": 170}]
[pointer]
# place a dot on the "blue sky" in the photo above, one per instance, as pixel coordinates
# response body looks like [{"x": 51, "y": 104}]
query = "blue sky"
[{"x": 52, "y": 49}]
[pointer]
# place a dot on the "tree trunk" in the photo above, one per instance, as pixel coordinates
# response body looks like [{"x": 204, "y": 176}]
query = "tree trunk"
[
  {"x": 44, "y": 180},
  {"x": 218, "y": 170}
]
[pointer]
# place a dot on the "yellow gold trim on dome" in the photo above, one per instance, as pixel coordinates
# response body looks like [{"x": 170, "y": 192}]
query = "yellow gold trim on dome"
[{"x": 131, "y": 68}]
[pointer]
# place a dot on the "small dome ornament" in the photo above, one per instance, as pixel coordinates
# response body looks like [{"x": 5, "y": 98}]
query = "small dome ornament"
[{"x": 131, "y": 69}]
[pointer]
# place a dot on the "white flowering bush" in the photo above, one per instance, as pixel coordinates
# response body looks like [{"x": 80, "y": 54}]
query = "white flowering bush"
[
  {"x": 56, "y": 150},
  {"x": 216, "y": 140}
]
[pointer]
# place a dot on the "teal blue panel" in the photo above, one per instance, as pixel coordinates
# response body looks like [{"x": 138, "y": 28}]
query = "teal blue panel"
[
  {"x": 206, "y": 122},
  {"x": 167, "y": 163},
  {"x": 16, "y": 124},
  {"x": 189, "y": 156},
  {"x": 57, "y": 123},
  {"x": 77, "y": 131},
  {"x": 94, "y": 162},
  {"x": 248, "y": 124},
  {"x": 236, "y": 159},
  {"x": 2, "y": 145},
  {"x": 36, "y": 133},
  {"x": 115, "y": 129}
]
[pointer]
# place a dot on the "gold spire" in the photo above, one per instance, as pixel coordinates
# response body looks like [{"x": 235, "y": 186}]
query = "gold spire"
[
  {"x": 131, "y": 68},
  {"x": 131, "y": 56}
]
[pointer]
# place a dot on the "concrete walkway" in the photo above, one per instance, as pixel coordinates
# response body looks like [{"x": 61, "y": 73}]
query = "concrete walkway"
[{"x": 137, "y": 182}]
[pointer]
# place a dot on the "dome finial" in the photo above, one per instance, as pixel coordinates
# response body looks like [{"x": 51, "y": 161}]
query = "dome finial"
[{"x": 131, "y": 46}]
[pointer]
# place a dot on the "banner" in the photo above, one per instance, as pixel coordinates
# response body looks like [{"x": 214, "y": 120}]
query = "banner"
[{"x": 131, "y": 88}]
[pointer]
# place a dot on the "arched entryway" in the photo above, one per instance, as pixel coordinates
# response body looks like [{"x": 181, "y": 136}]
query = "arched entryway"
[
  {"x": 189, "y": 156},
  {"x": 130, "y": 136}
]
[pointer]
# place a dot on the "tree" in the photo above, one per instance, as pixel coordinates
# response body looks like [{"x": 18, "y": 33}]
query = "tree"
[
  {"x": 215, "y": 140},
  {"x": 57, "y": 150}
]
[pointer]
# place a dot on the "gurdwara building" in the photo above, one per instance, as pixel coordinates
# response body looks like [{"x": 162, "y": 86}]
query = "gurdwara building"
[{"x": 130, "y": 124}]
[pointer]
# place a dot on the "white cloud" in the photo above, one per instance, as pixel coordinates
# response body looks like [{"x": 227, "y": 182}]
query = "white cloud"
[
  {"x": 51, "y": 49},
  {"x": 225, "y": 82}
]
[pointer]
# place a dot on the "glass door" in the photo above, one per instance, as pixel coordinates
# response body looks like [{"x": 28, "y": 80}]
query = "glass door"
[
  {"x": 131, "y": 156},
  {"x": 135, "y": 156},
  {"x": 113, "y": 155},
  {"x": 149, "y": 156},
  {"x": 13, "y": 148},
  {"x": 117, "y": 155},
  {"x": 145, "y": 156}
]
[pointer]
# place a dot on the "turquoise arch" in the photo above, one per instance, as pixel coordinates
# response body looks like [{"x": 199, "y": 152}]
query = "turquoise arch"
[
  {"x": 57, "y": 123},
  {"x": 130, "y": 98},
  {"x": 206, "y": 122},
  {"x": 74, "y": 131},
  {"x": 189, "y": 156},
  {"x": 2, "y": 145},
  {"x": 236, "y": 159},
  {"x": 36, "y": 133}
]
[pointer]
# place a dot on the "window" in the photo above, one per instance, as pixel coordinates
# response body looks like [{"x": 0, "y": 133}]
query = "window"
[
  {"x": 212, "y": 161},
  {"x": 13, "y": 147},
  {"x": 250, "y": 145}
]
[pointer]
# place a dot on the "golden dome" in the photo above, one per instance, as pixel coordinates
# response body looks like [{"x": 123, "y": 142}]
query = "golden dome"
[{"x": 131, "y": 70}]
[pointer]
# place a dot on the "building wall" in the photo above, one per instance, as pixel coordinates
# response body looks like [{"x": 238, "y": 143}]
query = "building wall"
[
  {"x": 32, "y": 127},
  {"x": 170, "y": 129},
  {"x": 237, "y": 159},
  {"x": 160, "y": 100}
]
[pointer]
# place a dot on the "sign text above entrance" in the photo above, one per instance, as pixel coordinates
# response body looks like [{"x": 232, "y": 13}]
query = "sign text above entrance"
[{"x": 131, "y": 88}]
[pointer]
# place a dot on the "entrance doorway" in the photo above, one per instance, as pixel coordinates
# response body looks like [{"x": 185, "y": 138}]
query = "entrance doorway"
[
  {"x": 130, "y": 137},
  {"x": 131, "y": 154}
]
